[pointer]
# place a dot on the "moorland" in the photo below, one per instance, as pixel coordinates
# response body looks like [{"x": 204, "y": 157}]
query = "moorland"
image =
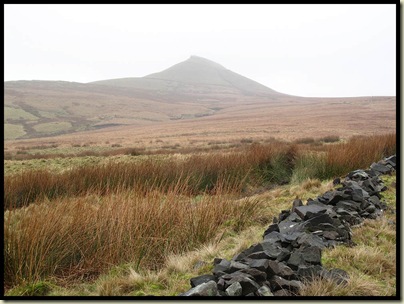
[{"x": 132, "y": 186}]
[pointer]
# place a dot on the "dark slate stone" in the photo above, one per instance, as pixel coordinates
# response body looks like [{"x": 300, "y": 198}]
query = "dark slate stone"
[
  {"x": 312, "y": 255},
  {"x": 293, "y": 217},
  {"x": 264, "y": 291},
  {"x": 336, "y": 181},
  {"x": 330, "y": 235},
  {"x": 291, "y": 237},
  {"x": 358, "y": 175},
  {"x": 204, "y": 289},
  {"x": 229, "y": 276},
  {"x": 259, "y": 255},
  {"x": 326, "y": 197},
  {"x": 382, "y": 169},
  {"x": 358, "y": 195},
  {"x": 370, "y": 209},
  {"x": 303, "y": 210},
  {"x": 391, "y": 159},
  {"x": 371, "y": 173},
  {"x": 202, "y": 279},
  {"x": 289, "y": 227},
  {"x": 234, "y": 289},
  {"x": 309, "y": 239},
  {"x": 219, "y": 274},
  {"x": 296, "y": 203},
  {"x": 217, "y": 261},
  {"x": 257, "y": 275},
  {"x": 311, "y": 201},
  {"x": 283, "y": 215},
  {"x": 272, "y": 237},
  {"x": 221, "y": 284},
  {"x": 370, "y": 187},
  {"x": 248, "y": 285},
  {"x": 222, "y": 266},
  {"x": 242, "y": 255},
  {"x": 357, "y": 191},
  {"x": 365, "y": 204},
  {"x": 260, "y": 264},
  {"x": 339, "y": 276},
  {"x": 235, "y": 266},
  {"x": 273, "y": 227},
  {"x": 322, "y": 222},
  {"x": 374, "y": 200},
  {"x": 284, "y": 255},
  {"x": 352, "y": 217},
  {"x": 364, "y": 214},
  {"x": 348, "y": 205},
  {"x": 280, "y": 283},
  {"x": 280, "y": 269},
  {"x": 271, "y": 249},
  {"x": 309, "y": 272},
  {"x": 320, "y": 219},
  {"x": 295, "y": 260},
  {"x": 337, "y": 196}
]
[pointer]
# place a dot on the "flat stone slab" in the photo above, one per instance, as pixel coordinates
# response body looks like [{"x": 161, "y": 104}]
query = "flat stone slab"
[
  {"x": 203, "y": 290},
  {"x": 202, "y": 279},
  {"x": 303, "y": 210}
]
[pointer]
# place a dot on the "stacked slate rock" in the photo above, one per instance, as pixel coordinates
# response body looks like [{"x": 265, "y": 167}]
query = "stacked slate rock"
[{"x": 290, "y": 252}]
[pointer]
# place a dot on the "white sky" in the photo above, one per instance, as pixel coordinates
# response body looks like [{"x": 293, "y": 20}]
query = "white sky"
[{"x": 305, "y": 50}]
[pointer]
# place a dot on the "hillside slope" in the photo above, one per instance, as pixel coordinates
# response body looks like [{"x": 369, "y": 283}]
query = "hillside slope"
[{"x": 194, "y": 88}]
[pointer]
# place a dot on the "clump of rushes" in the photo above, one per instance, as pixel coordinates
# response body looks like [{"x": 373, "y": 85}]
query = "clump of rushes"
[
  {"x": 255, "y": 165},
  {"x": 89, "y": 234}
]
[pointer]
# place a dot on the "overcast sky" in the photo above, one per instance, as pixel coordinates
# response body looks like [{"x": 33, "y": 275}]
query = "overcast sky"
[{"x": 305, "y": 50}]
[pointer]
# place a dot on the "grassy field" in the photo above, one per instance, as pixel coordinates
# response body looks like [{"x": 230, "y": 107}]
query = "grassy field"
[
  {"x": 12, "y": 131},
  {"x": 145, "y": 224},
  {"x": 53, "y": 127}
]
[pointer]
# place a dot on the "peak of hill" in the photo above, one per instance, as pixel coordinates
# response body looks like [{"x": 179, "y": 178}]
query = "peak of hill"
[
  {"x": 192, "y": 75},
  {"x": 196, "y": 70}
]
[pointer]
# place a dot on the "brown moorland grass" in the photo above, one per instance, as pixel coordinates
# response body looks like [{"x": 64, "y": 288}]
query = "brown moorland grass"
[
  {"x": 335, "y": 160},
  {"x": 256, "y": 164},
  {"x": 358, "y": 152},
  {"x": 89, "y": 218},
  {"x": 198, "y": 174},
  {"x": 87, "y": 235}
]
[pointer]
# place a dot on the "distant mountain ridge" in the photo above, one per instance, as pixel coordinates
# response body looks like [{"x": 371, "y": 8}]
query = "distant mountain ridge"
[{"x": 190, "y": 89}]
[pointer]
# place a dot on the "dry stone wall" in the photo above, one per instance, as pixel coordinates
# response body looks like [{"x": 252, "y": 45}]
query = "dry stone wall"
[{"x": 290, "y": 252}]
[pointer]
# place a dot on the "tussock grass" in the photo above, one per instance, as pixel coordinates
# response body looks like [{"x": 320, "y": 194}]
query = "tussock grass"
[
  {"x": 359, "y": 285},
  {"x": 90, "y": 234},
  {"x": 341, "y": 158},
  {"x": 197, "y": 174},
  {"x": 358, "y": 152}
]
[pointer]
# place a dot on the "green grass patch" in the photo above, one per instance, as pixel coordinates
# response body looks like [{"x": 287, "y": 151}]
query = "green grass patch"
[
  {"x": 41, "y": 288},
  {"x": 17, "y": 113},
  {"x": 53, "y": 127},
  {"x": 12, "y": 131}
]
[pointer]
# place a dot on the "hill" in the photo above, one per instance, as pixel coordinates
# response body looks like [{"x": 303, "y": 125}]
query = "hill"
[
  {"x": 196, "y": 99},
  {"x": 193, "y": 88}
]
